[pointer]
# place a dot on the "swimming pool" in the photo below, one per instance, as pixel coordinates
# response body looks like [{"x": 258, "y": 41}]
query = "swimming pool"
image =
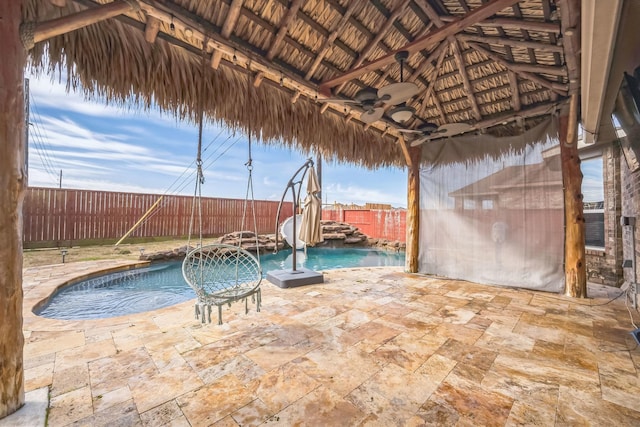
[{"x": 162, "y": 285}]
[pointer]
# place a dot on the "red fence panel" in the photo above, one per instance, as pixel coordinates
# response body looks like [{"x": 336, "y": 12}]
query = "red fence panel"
[
  {"x": 388, "y": 224},
  {"x": 64, "y": 217}
]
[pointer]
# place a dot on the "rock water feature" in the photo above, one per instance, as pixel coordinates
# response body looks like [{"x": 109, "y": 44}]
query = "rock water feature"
[{"x": 336, "y": 235}]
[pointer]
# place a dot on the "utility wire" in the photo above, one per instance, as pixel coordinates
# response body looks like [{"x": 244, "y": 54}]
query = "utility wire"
[
  {"x": 40, "y": 139},
  {"x": 187, "y": 180}
]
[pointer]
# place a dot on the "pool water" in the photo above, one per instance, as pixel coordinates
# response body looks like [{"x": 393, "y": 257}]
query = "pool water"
[{"x": 162, "y": 285}]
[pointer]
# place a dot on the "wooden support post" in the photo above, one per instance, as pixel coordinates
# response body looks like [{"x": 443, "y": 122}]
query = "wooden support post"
[
  {"x": 574, "y": 240},
  {"x": 12, "y": 182},
  {"x": 413, "y": 210}
]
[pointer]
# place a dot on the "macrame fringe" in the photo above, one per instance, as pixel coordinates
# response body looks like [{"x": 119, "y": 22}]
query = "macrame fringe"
[{"x": 203, "y": 310}]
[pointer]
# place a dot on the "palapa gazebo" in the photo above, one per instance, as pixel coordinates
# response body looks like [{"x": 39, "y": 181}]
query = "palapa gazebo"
[{"x": 267, "y": 67}]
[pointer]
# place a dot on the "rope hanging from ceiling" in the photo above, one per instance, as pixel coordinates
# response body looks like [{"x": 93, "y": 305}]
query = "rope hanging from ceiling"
[{"x": 220, "y": 273}]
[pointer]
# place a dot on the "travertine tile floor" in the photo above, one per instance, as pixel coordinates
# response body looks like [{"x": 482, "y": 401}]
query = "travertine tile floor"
[{"x": 368, "y": 347}]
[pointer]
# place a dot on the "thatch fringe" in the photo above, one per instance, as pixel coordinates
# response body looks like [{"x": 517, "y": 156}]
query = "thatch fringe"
[{"x": 113, "y": 63}]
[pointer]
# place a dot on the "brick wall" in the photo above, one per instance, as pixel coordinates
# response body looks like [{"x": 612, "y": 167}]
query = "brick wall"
[
  {"x": 605, "y": 266},
  {"x": 630, "y": 207}
]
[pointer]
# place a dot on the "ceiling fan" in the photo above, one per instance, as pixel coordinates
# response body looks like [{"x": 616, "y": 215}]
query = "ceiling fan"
[
  {"x": 429, "y": 131},
  {"x": 373, "y": 101}
]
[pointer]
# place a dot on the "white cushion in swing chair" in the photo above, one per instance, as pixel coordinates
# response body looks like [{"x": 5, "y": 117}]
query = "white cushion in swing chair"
[{"x": 221, "y": 273}]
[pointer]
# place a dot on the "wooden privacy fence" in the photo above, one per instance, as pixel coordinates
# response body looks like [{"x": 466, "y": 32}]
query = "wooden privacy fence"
[
  {"x": 387, "y": 224},
  {"x": 64, "y": 217}
]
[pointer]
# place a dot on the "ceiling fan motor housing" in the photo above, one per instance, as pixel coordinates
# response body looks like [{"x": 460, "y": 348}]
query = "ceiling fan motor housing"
[{"x": 365, "y": 95}]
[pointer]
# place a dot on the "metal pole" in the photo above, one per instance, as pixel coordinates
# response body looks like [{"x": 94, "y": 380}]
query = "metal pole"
[
  {"x": 319, "y": 173},
  {"x": 295, "y": 235},
  {"x": 26, "y": 132},
  {"x": 60, "y": 178}
]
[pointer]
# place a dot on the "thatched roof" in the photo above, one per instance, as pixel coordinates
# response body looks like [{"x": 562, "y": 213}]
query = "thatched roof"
[{"x": 267, "y": 62}]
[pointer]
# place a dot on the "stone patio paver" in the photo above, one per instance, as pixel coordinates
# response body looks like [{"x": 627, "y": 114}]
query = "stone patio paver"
[{"x": 368, "y": 347}]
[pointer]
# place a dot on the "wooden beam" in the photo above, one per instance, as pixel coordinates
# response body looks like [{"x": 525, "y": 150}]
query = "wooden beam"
[
  {"x": 417, "y": 45},
  {"x": 405, "y": 150},
  {"x": 284, "y": 26},
  {"x": 12, "y": 182},
  {"x": 257, "y": 81},
  {"x": 575, "y": 265},
  {"x": 556, "y": 87},
  {"x": 335, "y": 31},
  {"x": 227, "y": 28},
  {"x": 413, "y": 209},
  {"x": 571, "y": 25},
  {"x": 428, "y": 62},
  {"x": 431, "y": 13},
  {"x": 459, "y": 58},
  {"x": 515, "y": 91},
  {"x": 408, "y": 35},
  {"x": 465, "y": 79},
  {"x": 515, "y": 24},
  {"x": 55, "y": 27},
  {"x": 415, "y": 76},
  {"x": 429, "y": 90},
  {"x": 547, "y": 13},
  {"x": 245, "y": 57},
  {"x": 559, "y": 71},
  {"x": 506, "y": 41},
  {"x": 366, "y": 51},
  {"x": 517, "y": 12},
  {"x": 151, "y": 29},
  {"x": 527, "y": 112}
]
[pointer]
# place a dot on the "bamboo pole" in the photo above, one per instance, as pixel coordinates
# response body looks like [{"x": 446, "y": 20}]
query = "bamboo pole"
[
  {"x": 574, "y": 240},
  {"x": 146, "y": 214},
  {"x": 12, "y": 182}
]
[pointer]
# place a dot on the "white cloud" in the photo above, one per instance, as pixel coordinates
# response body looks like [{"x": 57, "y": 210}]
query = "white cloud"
[
  {"x": 108, "y": 147},
  {"x": 360, "y": 195}
]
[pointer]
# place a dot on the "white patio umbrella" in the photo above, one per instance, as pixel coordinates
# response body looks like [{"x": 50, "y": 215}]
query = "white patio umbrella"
[{"x": 310, "y": 229}]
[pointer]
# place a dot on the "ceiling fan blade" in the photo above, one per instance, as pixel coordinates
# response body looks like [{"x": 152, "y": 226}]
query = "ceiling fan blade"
[
  {"x": 372, "y": 115},
  {"x": 420, "y": 141},
  {"x": 340, "y": 101},
  {"x": 424, "y": 129},
  {"x": 397, "y": 93},
  {"x": 418, "y": 131},
  {"x": 451, "y": 129}
]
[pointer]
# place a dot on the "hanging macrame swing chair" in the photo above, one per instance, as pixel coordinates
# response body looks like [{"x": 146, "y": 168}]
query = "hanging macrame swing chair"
[{"x": 220, "y": 273}]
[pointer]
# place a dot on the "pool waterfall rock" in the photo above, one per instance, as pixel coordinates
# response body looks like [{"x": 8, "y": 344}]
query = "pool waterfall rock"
[{"x": 336, "y": 235}]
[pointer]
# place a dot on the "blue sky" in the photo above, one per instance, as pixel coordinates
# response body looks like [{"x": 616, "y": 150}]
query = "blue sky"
[
  {"x": 106, "y": 147},
  {"x": 592, "y": 180}
]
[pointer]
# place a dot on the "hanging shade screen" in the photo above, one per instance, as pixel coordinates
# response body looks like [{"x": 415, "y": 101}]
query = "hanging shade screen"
[{"x": 494, "y": 218}]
